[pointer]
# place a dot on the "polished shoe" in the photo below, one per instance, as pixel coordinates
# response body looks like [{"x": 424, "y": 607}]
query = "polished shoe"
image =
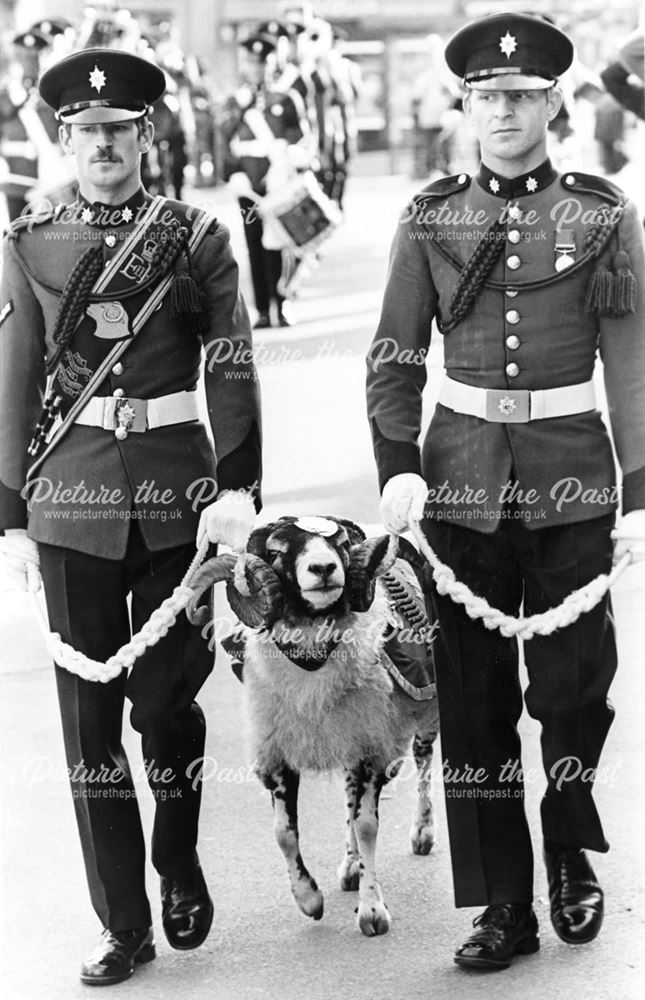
[
  {"x": 186, "y": 910},
  {"x": 577, "y": 902},
  {"x": 262, "y": 321},
  {"x": 501, "y": 931},
  {"x": 116, "y": 956}
]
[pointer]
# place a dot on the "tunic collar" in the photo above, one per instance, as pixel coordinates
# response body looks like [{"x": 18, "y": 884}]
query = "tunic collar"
[
  {"x": 96, "y": 213},
  {"x": 516, "y": 187}
]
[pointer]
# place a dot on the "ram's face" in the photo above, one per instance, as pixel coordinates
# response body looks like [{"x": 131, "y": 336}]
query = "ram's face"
[{"x": 310, "y": 556}]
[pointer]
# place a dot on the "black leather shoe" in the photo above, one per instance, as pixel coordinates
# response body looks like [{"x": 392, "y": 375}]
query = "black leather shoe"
[
  {"x": 262, "y": 321},
  {"x": 501, "y": 931},
  {"x": 116, "y": 956},
  {"x": 186, "y": 910},
  {"x": 577, "y": 902}
]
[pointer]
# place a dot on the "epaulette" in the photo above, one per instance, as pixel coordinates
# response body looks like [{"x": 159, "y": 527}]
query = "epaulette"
[
  {"x": 32, "y": 219},
  {"x": 591, "y": 184},
  {"x": 445, "y": 186}
]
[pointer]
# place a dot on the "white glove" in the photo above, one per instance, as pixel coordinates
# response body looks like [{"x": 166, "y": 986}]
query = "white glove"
[
  {"x": 240, "y": 185},
  {"x": 20, "y": 560},
  {"x": 229, "y": 520},
  {"x": 404, "y": 497},
  {"x": 629, "y": 536}
]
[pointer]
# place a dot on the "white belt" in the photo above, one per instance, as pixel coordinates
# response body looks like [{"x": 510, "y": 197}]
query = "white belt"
[
  {"x": 517, "y": 406},
  {"x": 122, "y": 414}
]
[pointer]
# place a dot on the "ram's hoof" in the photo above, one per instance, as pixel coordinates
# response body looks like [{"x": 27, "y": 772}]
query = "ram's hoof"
[
  {"x": 374, "y": 919},
  {"x": 422, "y": 838}
]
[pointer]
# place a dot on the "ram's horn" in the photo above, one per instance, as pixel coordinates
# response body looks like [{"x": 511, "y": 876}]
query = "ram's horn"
[
  {"x": 256, "y": 600},
  {"x": 213, "y": 571},
  {"x": 369, "y": 560}
]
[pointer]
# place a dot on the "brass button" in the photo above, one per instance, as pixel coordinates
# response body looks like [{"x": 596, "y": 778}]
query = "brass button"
[
  {"x": 512, "y": 370},
  {"x": 117, "y": 369},
  {"x": 514, "y": 211},
  {"x": 512, "y": 342},
  {"x": 514, "y": 262},
  {"x": 462, "y": 178},
  {"x": 514, "y": 236},
  {"x": 512, "y": 317},
  {"x": 511, "y": 292},
  {"x": 119, "y": 393}
]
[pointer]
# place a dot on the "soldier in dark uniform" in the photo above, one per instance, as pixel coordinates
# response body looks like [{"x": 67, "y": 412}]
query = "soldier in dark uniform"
[
  {"x": 110, "y": 301},
  {"x": 528, "y": 275},
  {"x": 265, "y": 131}
]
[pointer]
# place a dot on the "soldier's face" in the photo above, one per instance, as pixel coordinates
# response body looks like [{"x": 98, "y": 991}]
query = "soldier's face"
[
  {"x": 108, "y": 156},
  {"x": 511, "y": 124}
]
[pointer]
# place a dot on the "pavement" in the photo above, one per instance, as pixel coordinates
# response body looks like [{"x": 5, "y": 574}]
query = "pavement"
[{"x": 318, "y": 460}]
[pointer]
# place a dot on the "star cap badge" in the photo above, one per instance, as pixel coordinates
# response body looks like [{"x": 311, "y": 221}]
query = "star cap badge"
[
  {"x": 531, "y": 184},
  {"x": 507, "y": 405},
  {"x": 97, "y": 79},
  {"x": 508, "y": 44}
]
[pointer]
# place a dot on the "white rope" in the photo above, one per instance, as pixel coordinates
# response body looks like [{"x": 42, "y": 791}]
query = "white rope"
[
  {"x": 154, "y": 629},
  {"x": 578, "y": 602}
]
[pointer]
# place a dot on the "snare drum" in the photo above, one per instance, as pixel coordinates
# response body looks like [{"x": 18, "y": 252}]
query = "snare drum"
[{"x": 299, "y": 217}]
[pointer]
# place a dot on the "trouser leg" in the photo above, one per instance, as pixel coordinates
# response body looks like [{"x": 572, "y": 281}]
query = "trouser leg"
[
  {"x": 569, "y": 676},
  {"x": 480, "y": 702},
  {"x": 86, "y": 602},
  {"x": 253, "y": 235},
  {"x": 162, "y": 687}
]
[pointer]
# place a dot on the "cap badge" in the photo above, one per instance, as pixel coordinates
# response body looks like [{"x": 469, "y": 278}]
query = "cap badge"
[
  {"x": 531, "y": 184},
  {"x": 508, "y": 44},
  {"x": 97, "y": 79}
]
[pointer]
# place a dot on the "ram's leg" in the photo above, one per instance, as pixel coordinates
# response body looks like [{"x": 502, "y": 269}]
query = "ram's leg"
[
  {"x": 348, "y": 871},
  {"x": 283, "y": 785},
  {"x": 422, "y": 832},
  {"x": 373, "y": 917}
]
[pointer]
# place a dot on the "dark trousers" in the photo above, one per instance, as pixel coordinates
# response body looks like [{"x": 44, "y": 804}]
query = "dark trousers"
[
  {"x": 480, "y": 699},
  {"x": 266, "y": 265},
  {"x": 86, "y": 602}
]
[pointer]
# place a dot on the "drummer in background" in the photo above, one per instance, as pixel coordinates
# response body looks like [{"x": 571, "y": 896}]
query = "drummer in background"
[
  {"x": 346, "y": 83},
  {"x": 268, "y": 140}
]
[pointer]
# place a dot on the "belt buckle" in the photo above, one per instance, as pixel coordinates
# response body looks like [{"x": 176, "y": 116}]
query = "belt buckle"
[
  {"x": 130, "y": 415},
  {"x": 508, "y": 406}
]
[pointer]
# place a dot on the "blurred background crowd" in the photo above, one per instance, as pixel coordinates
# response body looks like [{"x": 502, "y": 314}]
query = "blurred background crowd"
[{"x": 283, "y": 100}]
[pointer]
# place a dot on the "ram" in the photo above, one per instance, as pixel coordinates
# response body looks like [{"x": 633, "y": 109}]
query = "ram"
[{"x": 337, "y": 670}]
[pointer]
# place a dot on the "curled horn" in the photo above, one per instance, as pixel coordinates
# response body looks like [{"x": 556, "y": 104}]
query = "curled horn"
[
  {"x": 369, "y": 560},
  {"x": 258, "y": 598},
  {"x": 213, "y": 571}
]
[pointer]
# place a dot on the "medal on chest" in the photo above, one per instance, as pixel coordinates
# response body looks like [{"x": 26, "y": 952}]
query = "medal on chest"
[{"x": 564, "y": 249}]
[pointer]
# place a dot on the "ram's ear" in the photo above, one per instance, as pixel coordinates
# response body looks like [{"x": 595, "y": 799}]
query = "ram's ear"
[
  {"x": 354, "y": 532},
  {"x": 258, "y": 540}
]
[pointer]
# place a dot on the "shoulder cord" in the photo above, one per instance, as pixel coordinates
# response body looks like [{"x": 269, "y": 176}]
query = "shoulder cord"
[
  {"x": 596, "y": 241},
  {"x": 578, "y": 602}
]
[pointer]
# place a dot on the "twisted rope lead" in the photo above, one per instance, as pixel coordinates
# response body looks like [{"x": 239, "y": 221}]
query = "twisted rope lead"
[
  {"x": 545, "y": 623},
  {"x": 157, "y": 626}
]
